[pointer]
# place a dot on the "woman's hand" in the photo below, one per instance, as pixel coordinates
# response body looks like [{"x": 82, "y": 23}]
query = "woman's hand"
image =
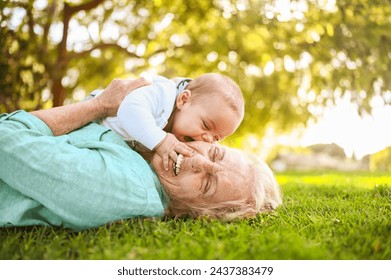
[
  {"x": 110, "y": 99},
  {"x": 64, "y": 119}
]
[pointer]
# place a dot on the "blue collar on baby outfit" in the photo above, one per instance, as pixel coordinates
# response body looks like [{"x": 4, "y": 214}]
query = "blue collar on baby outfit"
[{"x": 182, "y": 85}]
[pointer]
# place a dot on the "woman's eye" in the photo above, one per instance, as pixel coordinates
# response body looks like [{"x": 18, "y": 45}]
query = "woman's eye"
[
  {"x": 215, "y": 154},
  {"x": 207, "y": 186}
]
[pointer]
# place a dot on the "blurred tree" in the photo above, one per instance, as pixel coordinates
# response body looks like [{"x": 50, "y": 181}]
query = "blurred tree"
[
  {"x": 291, "y": 58},
  {"x": 381, "y": 160},
  {"x": 332, "y": 150}
]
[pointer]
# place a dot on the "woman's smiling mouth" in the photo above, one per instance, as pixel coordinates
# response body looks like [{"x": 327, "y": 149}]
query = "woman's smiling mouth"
[{"x": 177, "y": 164}]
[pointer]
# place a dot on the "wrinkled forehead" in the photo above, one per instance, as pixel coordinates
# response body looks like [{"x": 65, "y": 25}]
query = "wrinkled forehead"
[
  {"x": 235, "y": 186},
  {"x": 235, "y": 158},
  {"x": 237, "y": 175}
]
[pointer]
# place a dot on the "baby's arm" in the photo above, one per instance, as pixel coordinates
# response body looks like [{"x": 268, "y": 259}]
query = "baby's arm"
[
  {"x": 171, "y": 147},
  {"x": 138, "y": 116}
]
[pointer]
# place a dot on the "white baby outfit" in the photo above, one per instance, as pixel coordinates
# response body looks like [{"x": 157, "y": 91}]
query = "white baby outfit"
[{"x": 145, "y": 111}]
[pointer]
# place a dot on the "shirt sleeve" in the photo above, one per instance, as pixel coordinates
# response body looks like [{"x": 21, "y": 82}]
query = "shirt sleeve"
[{"x": 138, "y": 112}]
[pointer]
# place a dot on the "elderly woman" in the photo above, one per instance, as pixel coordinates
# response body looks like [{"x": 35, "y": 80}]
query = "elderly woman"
[{"x": 53, "y": 173}]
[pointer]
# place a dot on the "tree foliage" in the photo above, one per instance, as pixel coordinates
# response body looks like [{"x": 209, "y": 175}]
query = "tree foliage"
[
  {"x": 381, "y": 160},
  {"x": 290, "y": 58}
]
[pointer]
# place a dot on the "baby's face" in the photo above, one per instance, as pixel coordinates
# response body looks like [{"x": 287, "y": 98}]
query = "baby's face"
[{"x": 206, "y": 119}]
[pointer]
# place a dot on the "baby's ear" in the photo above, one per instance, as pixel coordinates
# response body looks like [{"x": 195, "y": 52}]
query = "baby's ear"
[{"x": 182, "y": 98}]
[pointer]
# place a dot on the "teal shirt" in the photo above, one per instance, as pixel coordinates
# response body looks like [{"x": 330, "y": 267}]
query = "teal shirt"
[{"x": 80, "y": 180}]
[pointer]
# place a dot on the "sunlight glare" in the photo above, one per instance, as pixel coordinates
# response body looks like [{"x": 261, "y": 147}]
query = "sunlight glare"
[
  {"x": 93, "y": 30},
  {"x": 55, "y": 32},
  {"x": 17, "y": 17},
  {"x": 289, "y": 64},
  {"x": 253, "y": 70},
  {"x": 356, "y": 135},
  {"x": 40, "y": 4},
  {"x": 110, "y": 32},
  {"x": 269, "y": 68}
]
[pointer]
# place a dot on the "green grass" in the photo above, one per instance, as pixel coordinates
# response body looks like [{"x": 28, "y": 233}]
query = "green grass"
[{"x": 325, "y": 216}]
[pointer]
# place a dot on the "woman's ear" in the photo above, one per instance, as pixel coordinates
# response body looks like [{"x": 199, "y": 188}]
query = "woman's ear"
[{"x": 183, "y": 98}]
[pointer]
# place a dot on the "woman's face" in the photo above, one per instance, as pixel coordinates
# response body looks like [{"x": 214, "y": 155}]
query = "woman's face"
[{"x": 213, "y": 174}]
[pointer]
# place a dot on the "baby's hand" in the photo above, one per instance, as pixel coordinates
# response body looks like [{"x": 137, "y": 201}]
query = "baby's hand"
[{"x": 171, "y": 147}]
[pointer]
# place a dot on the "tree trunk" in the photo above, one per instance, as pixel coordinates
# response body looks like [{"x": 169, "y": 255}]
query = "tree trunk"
[
  {"x": 59, "y": 69},
  {"x": 58, "y": 92}
]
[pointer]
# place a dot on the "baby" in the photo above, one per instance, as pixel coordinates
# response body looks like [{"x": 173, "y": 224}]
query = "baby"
[{"x": 165, "y": 114}]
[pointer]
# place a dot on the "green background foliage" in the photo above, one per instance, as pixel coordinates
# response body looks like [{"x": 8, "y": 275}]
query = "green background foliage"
[
  {"x": 289, "y": 62},
  {"x": 381, "y": 160}
]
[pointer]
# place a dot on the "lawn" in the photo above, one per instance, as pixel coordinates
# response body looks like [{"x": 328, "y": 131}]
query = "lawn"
[{"x": 325, "y": 216}]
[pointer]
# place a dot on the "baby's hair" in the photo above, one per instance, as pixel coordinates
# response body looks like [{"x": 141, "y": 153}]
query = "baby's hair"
[
  {"x": 264, "y": 196},
  {"x": 210, "y": 84}
]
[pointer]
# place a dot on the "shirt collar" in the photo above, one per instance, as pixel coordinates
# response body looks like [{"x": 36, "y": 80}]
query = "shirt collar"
[{"x": 181, "y": 85}]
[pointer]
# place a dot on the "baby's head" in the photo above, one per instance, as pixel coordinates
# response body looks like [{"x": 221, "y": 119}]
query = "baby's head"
[{"x": 209, "y": 109}]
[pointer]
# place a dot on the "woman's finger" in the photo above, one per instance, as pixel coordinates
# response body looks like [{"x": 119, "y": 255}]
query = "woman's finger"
[
  {"x": 184, "y": 150},
  {"x": 173, "y": 156},
  {"x": 165, "y": 162},
  {"x": 136, "y": 83}
]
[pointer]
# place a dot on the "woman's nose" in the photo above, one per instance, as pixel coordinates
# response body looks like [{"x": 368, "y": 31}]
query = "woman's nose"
[
  {"x": 202, "y": 164},
  {"x": 208, "y": 138}
]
